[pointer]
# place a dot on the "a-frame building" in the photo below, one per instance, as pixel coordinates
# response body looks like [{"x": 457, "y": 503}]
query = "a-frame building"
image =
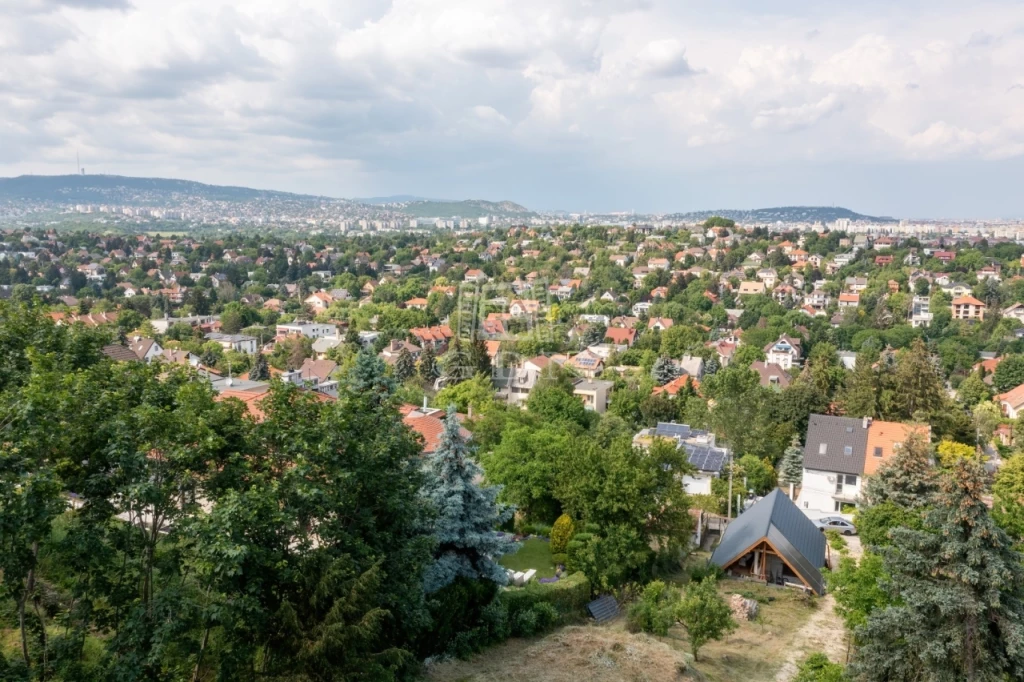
[{"x": 774, "y": 541}]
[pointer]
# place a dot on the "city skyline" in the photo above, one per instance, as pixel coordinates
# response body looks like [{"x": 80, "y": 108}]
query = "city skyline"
[{"x": 612, "y": 106}]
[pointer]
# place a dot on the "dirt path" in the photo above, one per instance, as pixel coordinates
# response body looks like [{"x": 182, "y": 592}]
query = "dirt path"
[{"x": 824, "y": 631}]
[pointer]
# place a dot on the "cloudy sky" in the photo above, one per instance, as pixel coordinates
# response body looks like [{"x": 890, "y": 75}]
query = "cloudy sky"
[{"x": 904, "y": 107}]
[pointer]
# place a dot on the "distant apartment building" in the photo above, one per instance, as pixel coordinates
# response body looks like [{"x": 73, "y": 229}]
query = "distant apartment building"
[
  {"x": 920, "y": 312},
  {"x": 968, "y": 308}
]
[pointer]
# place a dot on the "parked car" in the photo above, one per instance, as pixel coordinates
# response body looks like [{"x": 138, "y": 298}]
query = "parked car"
[{"x": 836, "y": 523}]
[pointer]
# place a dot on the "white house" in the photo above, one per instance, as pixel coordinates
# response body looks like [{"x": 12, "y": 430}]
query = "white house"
[
  {"x": 236, "y": 342},
  {"x": 785, "y": 352}
]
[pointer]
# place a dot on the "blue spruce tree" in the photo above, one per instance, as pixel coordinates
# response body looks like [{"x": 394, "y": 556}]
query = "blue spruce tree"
[
  {"x": 368, "y": 379},
  {"x": 467, "y": 515}
]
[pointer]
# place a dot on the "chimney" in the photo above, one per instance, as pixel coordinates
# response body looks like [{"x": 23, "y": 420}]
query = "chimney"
[{"x": 866, "y": 422}]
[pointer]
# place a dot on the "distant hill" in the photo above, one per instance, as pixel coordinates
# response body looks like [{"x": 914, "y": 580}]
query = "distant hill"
[
  {"x": 118, "y": 189},
  {"x": 471, "y": 208},
  {"x": 786, "y": 214},
  {"x": 396, "y": 199}
]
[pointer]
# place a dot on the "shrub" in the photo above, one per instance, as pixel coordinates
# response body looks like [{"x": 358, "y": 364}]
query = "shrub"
[
  {"x": 654, "y": 612},
  {"x": 560, "y": 559},
  {"x": 530, "y": 528},
  {"x": 836, "y": 541},
  {"x": 817, "y": 668},
  {"x": 561, "y": 533},
  {"x": 708, "y": 570},
  {"x": 568, "y": 596}
]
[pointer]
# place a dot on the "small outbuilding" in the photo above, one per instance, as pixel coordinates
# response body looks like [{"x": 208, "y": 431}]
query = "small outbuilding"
[{"x": 774, "y": 541}]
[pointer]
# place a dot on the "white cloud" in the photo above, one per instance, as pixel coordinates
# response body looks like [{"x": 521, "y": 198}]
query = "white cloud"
[{"x": 366, "y": 94}]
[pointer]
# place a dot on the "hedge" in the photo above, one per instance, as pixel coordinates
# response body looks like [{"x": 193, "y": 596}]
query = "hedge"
[{"x": 569, "y": 595}]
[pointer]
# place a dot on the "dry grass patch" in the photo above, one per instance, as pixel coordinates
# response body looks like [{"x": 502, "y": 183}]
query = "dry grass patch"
[{"x": 571, "y": 654}]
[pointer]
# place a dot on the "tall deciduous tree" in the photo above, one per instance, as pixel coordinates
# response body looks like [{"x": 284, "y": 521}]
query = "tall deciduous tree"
[
  {"x": 468, "y": 545},
  {"x": 1008, "y": 497},
  {"x": 958, "y": 582},
  {"x": 260, "y": 369},
  {"x": 1009, "y": 373}
]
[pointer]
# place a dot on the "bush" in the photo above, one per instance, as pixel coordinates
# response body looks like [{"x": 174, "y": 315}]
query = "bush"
[
  {"x": 560, "y": 559},
  {"x": 836, "y": 541},
  {"x": 654, "y": 612},
  {"x": 708, "y": 570},
  {"x": 528, "y": 528},
  {"x": 561, "y": 533},
  {"x": 817, "y": 668},
  {"x": 568, "y": 596}
]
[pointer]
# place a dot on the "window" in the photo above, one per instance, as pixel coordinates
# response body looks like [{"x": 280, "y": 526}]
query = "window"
[
  {"x": 848, "y": 450},
  {"x": 851, "y": 479},
  {"x": 837, "y": 506},
  {"x": 823, "y": 448},
  {"x": 849, "y": 429},
  {"x": 878, "y": 451}
]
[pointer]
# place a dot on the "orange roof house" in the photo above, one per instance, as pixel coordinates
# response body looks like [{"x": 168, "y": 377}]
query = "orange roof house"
[
  {"x": 884, "y": 438},
  {"x": 620, "y": 335}
]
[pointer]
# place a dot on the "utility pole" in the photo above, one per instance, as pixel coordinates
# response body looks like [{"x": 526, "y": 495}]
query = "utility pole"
[{"x": 728, "y": 514}]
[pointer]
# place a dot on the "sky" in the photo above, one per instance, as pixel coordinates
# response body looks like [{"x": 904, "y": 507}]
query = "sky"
[{"x": 905, "y": 108}]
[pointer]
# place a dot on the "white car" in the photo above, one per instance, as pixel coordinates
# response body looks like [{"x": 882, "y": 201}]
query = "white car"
[{"x": 836, "y": 523}]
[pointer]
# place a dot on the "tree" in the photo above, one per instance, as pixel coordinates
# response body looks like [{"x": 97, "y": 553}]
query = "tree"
[
  {"x": 405, "y": 366},
  {"x": 986, "y": 419},
  {"x": 916, "y": 386},
  {"x": 428, "y": 364},
  {"x": 759, "y": 474},
  {"x": 561, "y": 533},
  {"x": 956, "y": 586},
  {"x": 458, "y": 365},
  {"x": 704, "y": 613},
  {"x": 368, "y": 377},
  {"x": 1009, "y": 373},
  {"x": 791, "y": 467},
  {"x": 908, "y": 479},
  {"x": 476, "y": 395},
  {"x": 857, "y": 588},
  {"x": 260, "y": 369},
  {"x": 860, "y": 394},
  {"x": 478, "y": 357},
  {"x": 468, "y": 545},
  {"x": 1008, "y": 497},
  {"x": 973, "y": 390},
  {"x": 949, "y": 452},
  {"x": 555, "y": 403},
  {"x": 665, "y": 370},
  {"x": 526, "y": 464}
]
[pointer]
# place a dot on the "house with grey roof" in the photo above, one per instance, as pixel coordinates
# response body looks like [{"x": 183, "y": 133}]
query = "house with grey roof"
[
  {"x": 773, "y": 541},
  {"x": 707, "y": 459},
  {"x": 834, "y": 454}
]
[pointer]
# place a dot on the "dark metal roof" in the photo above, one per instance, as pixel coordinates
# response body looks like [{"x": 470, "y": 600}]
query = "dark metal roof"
[
  {"x": 775, "y": 518},
  {"x": 840, "y": 435},
  {"x": 120, "y": 353}
]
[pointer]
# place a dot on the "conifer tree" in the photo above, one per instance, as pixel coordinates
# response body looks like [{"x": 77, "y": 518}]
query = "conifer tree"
[
  {"x": 467, "y": 515},
  {"x": 957, "y": 587},
  {"x": 428, "y": 364},
  {"x": 405, "y": 366},
  {"x": 908, "y": 480},
  {"x": 479, "y": 360},
  {"x": 260, "y": 369},
  {"x": 791, "y": 467},
  {"x": 457, "y": 364},
  {"x": 367, "y": 377},
  {"x": 664, "y": 371},
  {"x": 860, "y": 394},
  {"x": 711, "y": 366}
]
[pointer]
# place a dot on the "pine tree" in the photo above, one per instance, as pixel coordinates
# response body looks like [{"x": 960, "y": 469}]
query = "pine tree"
[
  {"x": 664, "y": 371},
  {"x": 467, "y": 514},
  {"x": 908, "y": 480},
  {"x": 917, "y": 388},
  {"x": 791, "y": 467},
  {"x": 956, "y": 586},
  {"x": 711, "y": 366},
  {"x": 457, "y": 364},
  {"x": 428, "y": 363},
  {"x": 352, "y": 337},
  {"x": 479, "y": 360},
  {"x": 260, "y": 369},
  {"x": 405, "y": 366},
  {"x": 368, "y": 378}
]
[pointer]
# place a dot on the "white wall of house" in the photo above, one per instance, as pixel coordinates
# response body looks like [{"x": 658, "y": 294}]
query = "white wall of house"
[
  {"x": 698, "y": 483},
  {"x": 818, "y": 491}
]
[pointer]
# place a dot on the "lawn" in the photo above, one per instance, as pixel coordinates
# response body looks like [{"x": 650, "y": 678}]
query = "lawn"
[{"x": 533, "y": 553}]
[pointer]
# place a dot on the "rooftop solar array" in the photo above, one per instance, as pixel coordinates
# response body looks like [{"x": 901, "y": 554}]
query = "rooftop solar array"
[
  {"x": 706, "y": 457},
  {"x": 670, "y": 430}
]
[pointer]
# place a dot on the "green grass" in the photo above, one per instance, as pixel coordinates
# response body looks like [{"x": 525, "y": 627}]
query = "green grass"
[{"x": 534, "y": 553}]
